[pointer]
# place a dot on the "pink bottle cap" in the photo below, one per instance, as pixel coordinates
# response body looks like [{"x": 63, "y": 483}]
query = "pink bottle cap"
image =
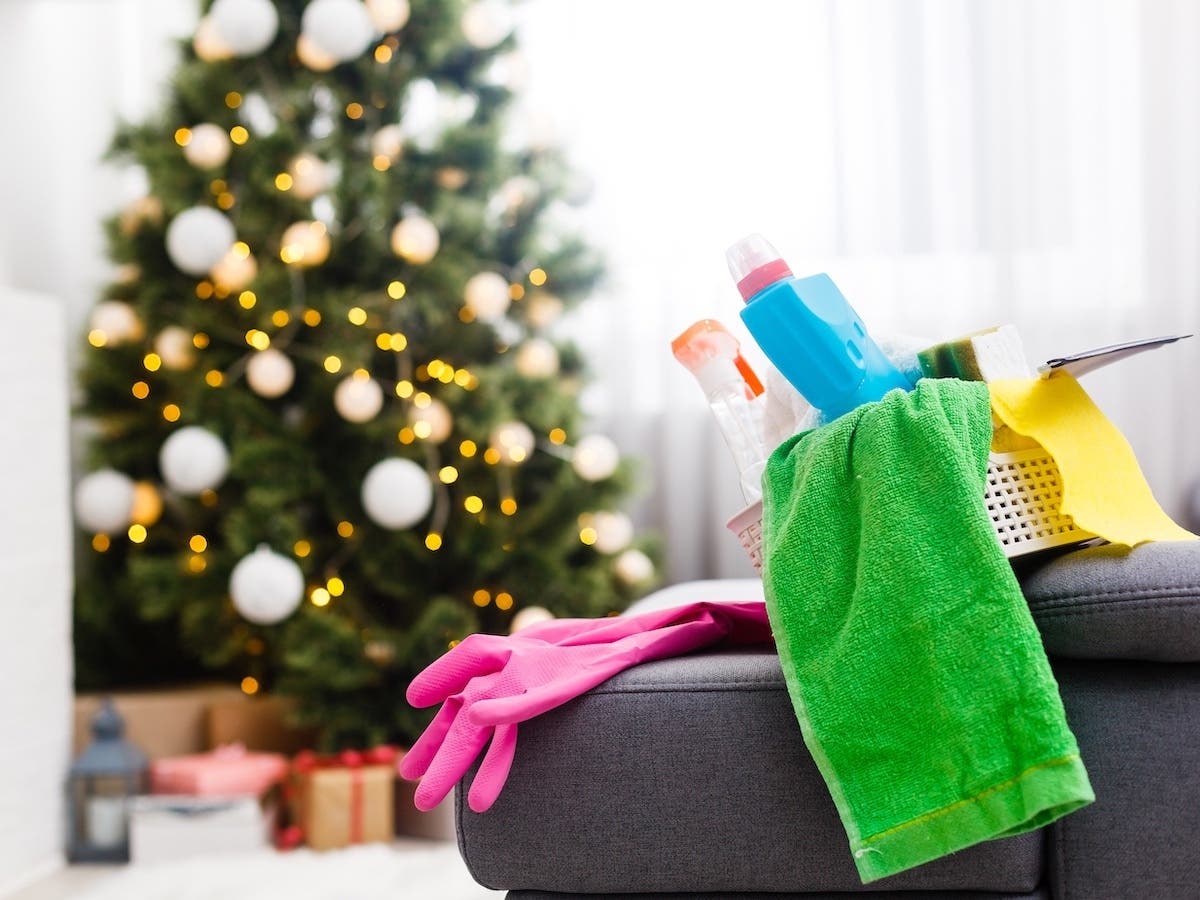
[{"x": 755, "y": 264}]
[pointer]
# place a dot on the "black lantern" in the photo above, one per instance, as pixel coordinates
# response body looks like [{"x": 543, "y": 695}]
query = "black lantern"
[{"x": 103, "y": 779}]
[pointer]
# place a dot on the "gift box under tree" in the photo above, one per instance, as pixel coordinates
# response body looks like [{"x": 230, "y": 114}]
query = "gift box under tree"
[
  {"x": 229, "y": 770},
  {"x": 344, "y": 799},
  {"x": 223, "y": 801}
]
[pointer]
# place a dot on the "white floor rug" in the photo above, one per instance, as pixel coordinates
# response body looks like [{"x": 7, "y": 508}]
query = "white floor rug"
[{"x": 406, "y": 869}]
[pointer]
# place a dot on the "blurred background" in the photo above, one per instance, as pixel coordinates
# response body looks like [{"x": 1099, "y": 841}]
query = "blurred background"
[{"x": 952, "y": 164}]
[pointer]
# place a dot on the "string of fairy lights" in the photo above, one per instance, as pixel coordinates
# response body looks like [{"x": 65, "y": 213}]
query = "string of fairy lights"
[
  {"x": 202, "y": 241},
  {"x": 429, "y": 418}
]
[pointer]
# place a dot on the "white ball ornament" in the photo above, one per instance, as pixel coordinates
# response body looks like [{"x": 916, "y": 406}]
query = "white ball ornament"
[
  {"x": 579, "y": 189},
  {"x": 388, "y": 142},
  {"x": 305, "y": 244},
  {"x": 139, "y": 212},
  {"x": 397, "y": 493},
  {"x": 388, "y": 15},
  {"x": 236, "y": 270},
  {"x": 530, "y": 615},
  {"x": 543, "y": 310},
  {"x": 341, "y": 28},
  {"x": 311, "y": 175},
  {"x": 595, "y": 400},
  {"x": 634, "y": 567},
  {"x": 193, "y": 460},
  {"x": 174, "y": 347},
  {"x": 415, "y": 239},
  {"x": 246, "y": 26},
  {"x": 514, "y": 441},
  {"x": 270, "y": 373},
  {"x": 198, "y": 238},
  {"x": 104, "y": 501},
  {"x": 266, "y": 587},
  {"x": 324, "y": 211},
  {"x": 486, "y": 23},
  {"x": 256, "y": 113},
  {"x": 432, "y": 423},
  {"x": 208, "y": 146},
  {"x": 530, "y": 129},
  {"x": 313, "y": 56},
  {"x": 127, "y": 273},
  {"x": 451, "y": 178},
  {"x": 358, "y": 399},
  {"x": 509, "y": 70},
  {"x": 614, "y": 531},
  {"x": 518, "y": 191},
  {"x": 456, "y": 108},
  {"x": 595, "y": 458},
  {"x": 208, "y": 43},
  {"x": 117, "y": 321},
  {"x": 537, "y": 358},
  {"x": 422, "y": 119},
  {"x": 486, "y": 295}
]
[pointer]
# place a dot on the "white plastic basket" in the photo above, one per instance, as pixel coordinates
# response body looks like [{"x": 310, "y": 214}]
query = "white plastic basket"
[{"x": 1023, "y": 498}]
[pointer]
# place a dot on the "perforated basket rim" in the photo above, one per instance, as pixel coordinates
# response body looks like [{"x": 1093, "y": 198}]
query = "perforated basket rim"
[{"x": 1023, "y": 498}]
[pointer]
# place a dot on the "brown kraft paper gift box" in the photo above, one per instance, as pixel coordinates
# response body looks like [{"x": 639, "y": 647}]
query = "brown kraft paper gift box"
[
  {"x": 257, "y": 723},
  {"x": 163, "y": 722},
  {"x": 341, "y": 805}
]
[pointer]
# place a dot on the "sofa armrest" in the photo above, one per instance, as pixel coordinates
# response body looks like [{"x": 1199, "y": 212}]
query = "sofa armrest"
[{"x": 1108, "y": 602}]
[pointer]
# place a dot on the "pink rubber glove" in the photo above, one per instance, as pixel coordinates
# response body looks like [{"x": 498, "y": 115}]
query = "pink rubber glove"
[{"x": 489, "y": 683}]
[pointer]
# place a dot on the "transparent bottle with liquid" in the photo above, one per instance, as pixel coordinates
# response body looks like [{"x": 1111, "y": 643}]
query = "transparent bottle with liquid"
[{"x": 712, "y": 354}]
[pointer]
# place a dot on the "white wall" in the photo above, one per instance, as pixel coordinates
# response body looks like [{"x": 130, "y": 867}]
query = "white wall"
[
  {"x": 35, "y": 585},
  {"x": 69, "y": 71}
]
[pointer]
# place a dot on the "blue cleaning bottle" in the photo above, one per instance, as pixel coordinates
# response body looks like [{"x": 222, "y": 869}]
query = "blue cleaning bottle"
[{"x": 809, "y": 331}]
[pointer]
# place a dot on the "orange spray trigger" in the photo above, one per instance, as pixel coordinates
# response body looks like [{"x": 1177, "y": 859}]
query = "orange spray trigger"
[{"x": 748, "y": 373}]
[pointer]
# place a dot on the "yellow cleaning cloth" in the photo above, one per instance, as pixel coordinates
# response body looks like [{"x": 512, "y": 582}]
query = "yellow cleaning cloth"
[{"x": 1104, "y": 489}]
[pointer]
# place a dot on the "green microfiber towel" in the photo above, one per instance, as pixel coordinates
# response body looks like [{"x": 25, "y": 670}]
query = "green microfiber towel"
[{"x": 911, "y": 658}]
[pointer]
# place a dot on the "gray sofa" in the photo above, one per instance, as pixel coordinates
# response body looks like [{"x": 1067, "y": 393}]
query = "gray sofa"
[{"x": 689, "y": 778}]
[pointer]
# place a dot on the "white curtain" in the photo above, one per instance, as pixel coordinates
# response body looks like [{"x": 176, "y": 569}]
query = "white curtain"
[{"x": 952, "y": 165}]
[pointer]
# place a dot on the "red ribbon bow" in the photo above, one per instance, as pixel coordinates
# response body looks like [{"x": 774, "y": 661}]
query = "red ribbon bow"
[{"x": 307, "y": 761}]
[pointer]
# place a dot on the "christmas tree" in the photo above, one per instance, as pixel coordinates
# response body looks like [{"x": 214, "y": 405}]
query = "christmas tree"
[{"x": 334, "y": 431}]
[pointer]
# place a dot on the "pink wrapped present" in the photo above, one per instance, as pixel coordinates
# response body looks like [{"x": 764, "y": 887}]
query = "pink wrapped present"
[{"x": 228, "y": 771}]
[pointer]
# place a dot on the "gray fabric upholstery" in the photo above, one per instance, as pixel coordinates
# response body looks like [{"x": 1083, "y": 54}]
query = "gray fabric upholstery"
[
  {"x": 1138, "y": 726},
  {"x": 1109, "y": 603},
  {"x": 690, "y": 775}
]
